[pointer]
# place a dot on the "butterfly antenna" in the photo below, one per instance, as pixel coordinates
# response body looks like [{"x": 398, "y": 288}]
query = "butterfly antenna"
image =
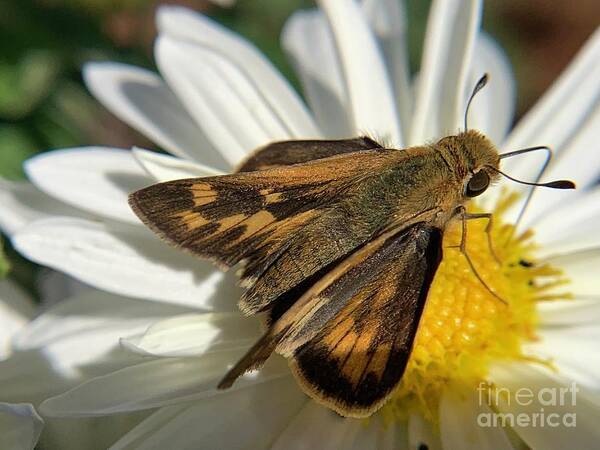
[
  {"x": 559, "y": 184},
  {"x": 479, "y": 86}
]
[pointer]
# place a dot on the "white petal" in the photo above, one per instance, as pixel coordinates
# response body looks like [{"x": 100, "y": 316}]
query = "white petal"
[
  {"x": 460, "y": 409},
  {"x": 544, "y": 388},
  {"x": 371, "y": 95},
  {"x": 581, "y": 269},
  {"x": 140, "y": 98},
  {"x": 224, "y": 102},
  {"x": 249, "y": 419},
  {"x": 22, "y": 203},
  {"x": 185, "y": 24},
  {"x": 308, "y": 41},
  {"x": 327, "y": 430},
  {"x": 493, "y": 108},
  {"x": 571, "y": 226},
  {"x": 163, "y": 382},
  {"x": 31, "y": 377},
  {"x": 127, "y": 260},
  {"x": 93, "y": 314},
  {"x": 75, "y": 340},
  {"x": 569, "y": 313},
  {"x": 393, "y": 436},
  {"x": 364, "y": 436},
  {"x": 421, "y": 433},
  {"x": 95, "y": 179},
  {"x": 20, "y": 426},
  {"x": 572, "y": 349},
  {"x": 16, "y": 308},
  {"x": 450, "y": 39},
  {"x": 196, "y": 334},
  {"x": 93, "y": 433},
  {"x": 167, "y": 168},
  {"x": 388, "y": 21}
]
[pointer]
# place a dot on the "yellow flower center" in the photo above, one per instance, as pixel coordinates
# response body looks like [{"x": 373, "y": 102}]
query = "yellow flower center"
[{"x": 464, "y": 327}]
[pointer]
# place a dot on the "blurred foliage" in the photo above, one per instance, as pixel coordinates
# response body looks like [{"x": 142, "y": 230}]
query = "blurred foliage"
[
  {"x": 43, "y": 44},
  {"x": 4, "y": 264}
]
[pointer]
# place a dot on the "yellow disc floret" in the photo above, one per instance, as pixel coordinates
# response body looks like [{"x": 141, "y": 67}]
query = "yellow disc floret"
[{"x": 464, "y": 327}]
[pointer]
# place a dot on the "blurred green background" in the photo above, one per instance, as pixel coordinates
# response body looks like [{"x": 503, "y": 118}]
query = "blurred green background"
[{"x": 43, "y": 44}]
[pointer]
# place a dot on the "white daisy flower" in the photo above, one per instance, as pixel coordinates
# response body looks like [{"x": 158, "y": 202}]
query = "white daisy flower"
[{"x": 217, "y": 100}]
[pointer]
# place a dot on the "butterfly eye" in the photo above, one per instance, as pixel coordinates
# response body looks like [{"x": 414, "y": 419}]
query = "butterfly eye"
[{"x": 478, "y": 183}]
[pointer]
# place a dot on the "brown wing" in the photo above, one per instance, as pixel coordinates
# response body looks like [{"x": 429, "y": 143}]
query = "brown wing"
[
  {"x": 285, "y": 223},
  {"x": 285, "y": 153},
  {"x": 351, "y": 334},
  {"x": 359, "y": 356}
]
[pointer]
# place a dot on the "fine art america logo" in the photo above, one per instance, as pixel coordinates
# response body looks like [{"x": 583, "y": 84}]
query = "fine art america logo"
[{"x": 541, "y": 407}]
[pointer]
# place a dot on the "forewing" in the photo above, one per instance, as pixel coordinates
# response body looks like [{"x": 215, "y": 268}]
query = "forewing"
[
  {"x": 351, "y": 350},
  {"x": 278, "y": 221},
  {"x": 285, "y": 153}
]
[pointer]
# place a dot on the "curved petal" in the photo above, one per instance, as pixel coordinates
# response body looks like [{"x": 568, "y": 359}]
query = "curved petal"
[
  {"x": 246, "y": 419},
  {"x": 573, "y": 350},
  {"x": 327, "y": 430},
  {"x": 91, "y": 314},
  {"x": 569, "y": 313},
  {"x": 167, "y": 168},
  {"x": 224, "y": 102},
  {"x": 74, "y": 341},
  {"x": 388, "y": 22},
  {"x": 571, "y": 423},
  {"x": 22, "y": 203},
  {"x": 581, "y": 269},
  {"x": 364, "y": 435},
  {"x": 371, "y": 96},
  {"x": 449, "y": 43},
  {"x": 492, "y": 110},
  {"x": 460, "y": 429},
  {"x": 570, "y": 226},
  {"x": 195, "y": 334},
  {"x": 94, "y": 179},
  {"x": 163, "y": 382},
  {"x": 308, "y": 41},
  {"x": 393, "y": 436},
  {"x": 16, "y": 308},
  {"x": 20, "y": 426},
  {"x": 126, "y": 260},
  {"x": 184, "y": 24},
  {"x": 421, "y": 434},
  {"x": 142, "y": 100}
]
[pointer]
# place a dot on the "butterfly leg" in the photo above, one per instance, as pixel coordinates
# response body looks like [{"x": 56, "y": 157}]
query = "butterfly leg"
[
  {"x": 488, "y": 230},
  {"x": 463, "y": 249}
]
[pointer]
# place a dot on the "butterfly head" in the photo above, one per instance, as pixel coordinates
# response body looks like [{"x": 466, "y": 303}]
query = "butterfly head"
[{"x": 475, "y": 159}]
